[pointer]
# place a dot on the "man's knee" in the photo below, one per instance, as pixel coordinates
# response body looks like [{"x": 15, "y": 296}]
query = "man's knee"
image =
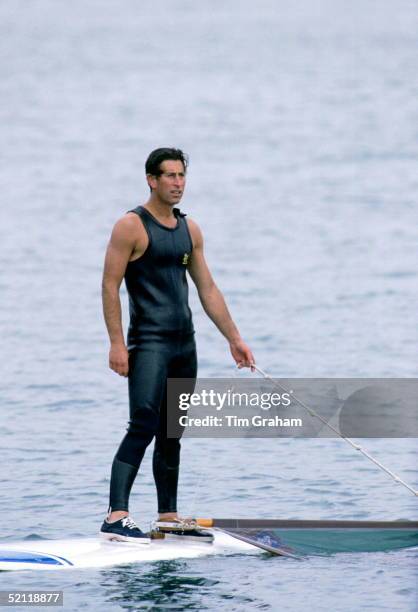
[{"x": 144, "y": 423}]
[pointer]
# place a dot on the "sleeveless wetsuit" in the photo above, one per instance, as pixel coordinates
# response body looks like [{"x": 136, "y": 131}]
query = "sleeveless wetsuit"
[{"x": 161, "y": 345}]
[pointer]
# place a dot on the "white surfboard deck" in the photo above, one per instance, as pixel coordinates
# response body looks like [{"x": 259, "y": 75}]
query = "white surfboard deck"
[{"x": 97, "y": 552}]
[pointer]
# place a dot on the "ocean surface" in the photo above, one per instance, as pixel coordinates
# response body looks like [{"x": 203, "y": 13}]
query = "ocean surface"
[{"x": 301, "y": 122}]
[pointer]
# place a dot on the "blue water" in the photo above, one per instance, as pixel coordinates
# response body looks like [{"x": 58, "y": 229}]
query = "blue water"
[{"x": 300, "y": 119}]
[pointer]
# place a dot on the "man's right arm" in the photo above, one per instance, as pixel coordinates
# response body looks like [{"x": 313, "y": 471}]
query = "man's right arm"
[{"x": 123, "y": 242}]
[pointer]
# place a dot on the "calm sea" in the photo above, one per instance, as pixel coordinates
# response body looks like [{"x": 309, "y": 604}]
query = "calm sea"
[{"x": 300, "y": 119}]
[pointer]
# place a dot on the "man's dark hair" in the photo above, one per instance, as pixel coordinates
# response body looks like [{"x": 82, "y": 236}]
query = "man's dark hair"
[{"x": 156, "y": 158}]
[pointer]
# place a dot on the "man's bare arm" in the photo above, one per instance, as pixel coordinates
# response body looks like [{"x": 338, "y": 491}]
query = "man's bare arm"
[
  {"x": 213, "y": 301},
  {"x": 123, "y": 242}
]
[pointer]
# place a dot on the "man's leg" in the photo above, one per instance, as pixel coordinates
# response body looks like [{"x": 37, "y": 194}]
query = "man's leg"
[
  {"x": 165, "y": 467},
  {"x": 166, "y": 457},
  {"x": 147, "y": 375}
]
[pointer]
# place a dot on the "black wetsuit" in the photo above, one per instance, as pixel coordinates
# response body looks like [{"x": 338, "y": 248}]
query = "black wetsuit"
[{"x": 161, "y": 345}]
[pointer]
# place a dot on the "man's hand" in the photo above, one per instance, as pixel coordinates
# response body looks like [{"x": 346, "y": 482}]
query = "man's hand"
[
  {"x": 242, "y": 354},
  {"x": 119, "y": 359}
]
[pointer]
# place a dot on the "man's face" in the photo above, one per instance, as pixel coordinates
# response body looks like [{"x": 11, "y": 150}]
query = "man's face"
[{"x": 169, "y": 186}]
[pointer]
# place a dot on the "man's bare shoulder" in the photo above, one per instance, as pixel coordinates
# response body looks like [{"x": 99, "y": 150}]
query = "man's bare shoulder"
[
  {"x": 129, "y": 235},
  {"x": 129, "y": 220},
  {"x": 129, "y": 225},
  {"x": 195, "y": 232}
]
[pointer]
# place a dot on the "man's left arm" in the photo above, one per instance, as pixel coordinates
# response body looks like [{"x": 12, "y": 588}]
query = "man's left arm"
[{"x": 213, "y": 301}]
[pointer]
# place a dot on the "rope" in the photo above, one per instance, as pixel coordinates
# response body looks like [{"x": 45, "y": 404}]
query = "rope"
[{"x": 353, "y": 444}]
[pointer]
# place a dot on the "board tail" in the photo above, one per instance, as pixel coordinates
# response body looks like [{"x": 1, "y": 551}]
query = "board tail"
[{"x": 262, "y": 538}]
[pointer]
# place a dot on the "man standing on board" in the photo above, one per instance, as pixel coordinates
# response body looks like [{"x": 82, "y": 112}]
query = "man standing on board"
[{"x": 151, "y": 247}]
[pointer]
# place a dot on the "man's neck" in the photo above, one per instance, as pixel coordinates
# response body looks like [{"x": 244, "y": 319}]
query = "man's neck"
[{"x": 159, "y": 209}]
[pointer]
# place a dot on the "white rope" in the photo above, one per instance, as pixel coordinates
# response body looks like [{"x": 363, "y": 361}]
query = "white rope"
[{"x": 353, "y": 444}]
